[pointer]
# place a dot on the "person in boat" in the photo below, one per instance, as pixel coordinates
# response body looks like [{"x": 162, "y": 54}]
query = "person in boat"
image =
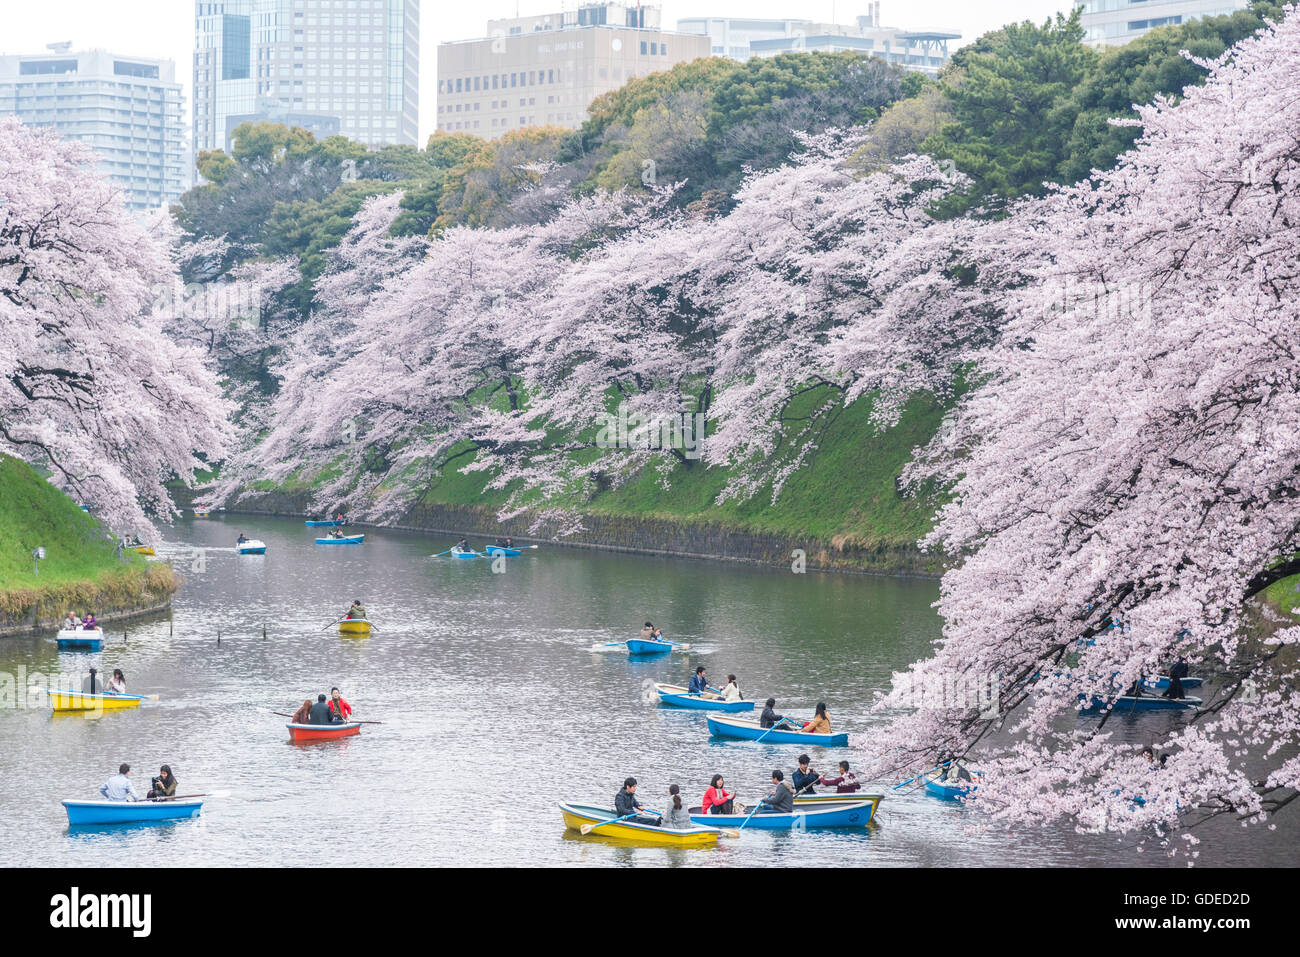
[
  {"x": 505, "y": 543},
  {"x": 625, "y": 803},
  {"x": 678, "y": 818},
  {"x": 117, "y": 683},
  {"x": 71, "y": 623},
  {"x": 648, "y": 632},
  {"x": 242, "y": 538},
  {"x": 769, "y": 717},
  {"x": 89, "y": 623},
  {"x": 340, "y": 519},
  {"x": 821, "y": 722},
  {"x": 717, "y": 800},
  {"x": 700, "y": 683},
  {"x": 356, "y": 612},
  {"x": 731, "y": 690},
  {"x": 88, "y": 684},
  {"x": 804, "y": 777},
  {"x": 951, "y": 770},
  {"x": 320, "y": 712},
  {"x": 1177, "y": 672},
  {"x": 1149, "y": 754},
  {"x": 463, "y": 545},
  {"x": 163, "y": 786},
  {"x": 340, "y": 710},
  {"x": 119, "y": 787},
  {"x": 845, "y": 783},
  {"x": 781, "y": 800},
  {"x": 303, "y": 714},
  {"x": 335, "y": 533}
]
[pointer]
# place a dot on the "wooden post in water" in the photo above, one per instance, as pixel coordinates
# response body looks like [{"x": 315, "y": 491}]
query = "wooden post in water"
[
  {"x": 171, "y": 627},
  {"x": 264, "y": 631},
  {"x": 218, "y": 636}
]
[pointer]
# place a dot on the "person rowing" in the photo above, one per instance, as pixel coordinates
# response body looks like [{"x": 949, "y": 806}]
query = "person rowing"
[
  {"x": 951, "y": 770},
  {"x": 119, "y": 787},
  {"x": 505, "y": 543},
  {"x": 626, "y": 804},
  {"x": 781, "y": 800},
  {"x": 700, "y": 684},
  {"x": 356, "y": 612},
  {"x": 462, "y": 546},
  {"x": 769, "y": 718},
  {"x": 1177, "y": 672}
]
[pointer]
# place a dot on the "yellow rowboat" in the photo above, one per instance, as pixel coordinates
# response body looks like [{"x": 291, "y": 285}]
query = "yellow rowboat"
[
  {"x": 576, "y": 815},
  {"x": 354, "y": 626},
  {"x": 850, "y": 797},
  {"x": 84, "y": 701},
  {"x": 145, "y": 550}
]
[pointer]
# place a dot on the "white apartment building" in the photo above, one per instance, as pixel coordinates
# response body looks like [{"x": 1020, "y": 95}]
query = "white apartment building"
[
  {"x": 546, "y": 70},
  {"x": 331, "y": 66},
  {"x": 128, "y": 109},
  {"x": 1116, "y": 22},
  {"x": 740, "y": 38}
]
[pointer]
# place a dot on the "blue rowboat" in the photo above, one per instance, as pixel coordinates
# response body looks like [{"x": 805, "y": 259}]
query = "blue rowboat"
[
  {"x": 251, "y": 547},
  {"x": 502, "y": 550},
  {"x": 1161, "y": 683},
  {"x": 322, "y": 524},
  {"x": 79, "y": 639},
  {"x": 345, "y": 540},
  {"x": 1127, "y": 703},
  {"x": 954, "y": 791},
  {"x": 680, "y": 697},
  {"x": 471, "y": 554},
  {"x": 750, "y": 731},
  {"x": 635, "y": 646},
  {"x": 129, "y": 812},
  {"x": 840, "y": 814}
]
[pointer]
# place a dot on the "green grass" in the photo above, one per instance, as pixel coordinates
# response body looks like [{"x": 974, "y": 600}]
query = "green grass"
[{"x": 1283, "y": 596}]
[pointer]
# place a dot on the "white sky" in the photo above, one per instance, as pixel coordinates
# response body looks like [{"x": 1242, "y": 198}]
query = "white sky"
[{"x": 165, "y": 28}]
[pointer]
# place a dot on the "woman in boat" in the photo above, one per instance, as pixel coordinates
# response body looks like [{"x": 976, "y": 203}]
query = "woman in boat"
[
  {"x": 163, "y": 786},
  {"x": 717, "y": 800},
  {"x": 845, "y": 783},
  {"x": 340, "y": 710},
  {"x": 625, "y": 804},
  {"x": 821, "y": 722},
  {"x": 303, "y": 714},
  {"x": 117, "y": 683},
  {"x": 731, "y": 692},
  {"x": 335, "y": 533},
  {"x": 769, "y": 716},
  {"x": 678, "y": 818},
  {"x": 804, "y": 777},
  {"x": 781, "y": 800},
  {"x": 89, "y": 623}
]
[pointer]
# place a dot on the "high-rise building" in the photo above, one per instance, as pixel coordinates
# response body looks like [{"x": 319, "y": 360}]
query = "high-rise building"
[
  {"x": 331, "y": 66},
  {"x": 1116, "y": 22},
  {"x": 740, "y": 38},
  {"x": 128, "y": 109},
  {"x": 546, "y": 70}
]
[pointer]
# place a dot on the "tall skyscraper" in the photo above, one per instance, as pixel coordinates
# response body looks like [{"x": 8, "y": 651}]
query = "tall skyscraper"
[
  {"x": 128, "y": 109},
  {"x": 546, "y": 70},
  {"x": 1116, "y": 22},
  {"x": 331, "y": 66}
]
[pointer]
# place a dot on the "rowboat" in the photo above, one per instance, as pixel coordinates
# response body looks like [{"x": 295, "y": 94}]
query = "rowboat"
[
  {"x": 838, "y": 814},
  {"x": 91, "y": 639},
  {"x": 502, "y": 550},
  {"x": 251, "y": 547},
  {"x": 1124, "y": 703},
  {"x": 198, "y": 514},
  {"x": 637, "y": 646},
  {"x": 750, "y": 731},
  {"x": 680, "y": 697},
  {"x": 86, "y": 701},
  {"x": 322, "y": 732},
  {"x": 328, "y": 524},
  {"x": 576, "y": 815},
  {"x": 355, "y": 626},
  {"x": 954, "y": 791},
  {"x": 1161, "y": 683},
  {"x": 345, "y": 540},
  {"x": 145, "y": 549},
  {"x": 812, "y": 800},
  {"x": 459, "y": 554},
  {"x": 129, "y": 812}
]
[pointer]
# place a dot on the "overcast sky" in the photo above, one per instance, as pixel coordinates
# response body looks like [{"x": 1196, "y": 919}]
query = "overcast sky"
[{"x": 165, "y": 28}]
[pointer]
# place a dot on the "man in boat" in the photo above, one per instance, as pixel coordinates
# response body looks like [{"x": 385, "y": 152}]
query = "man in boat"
[
  {"x": 340, "y": 710},
  {"x": 648, "y": 632},
  {"x": 951, "y": 770},
  {"x": 845, "y": 783},
  {"x": 625, "y": 803},
  {"x": 804, "y": 777},
  {"x": 242, "y": 538},
  {"x": 70, "y": 623},
  {"x": 505, "y": 543},
  {"x": 357, "y": 611},
  {"x": 1177, "y": 672},
  {"x": 781, "y": 800},
  {"x": 320, "y": 712},
  {"x": 700, "y": 684},
  {"x": 769, "y": 717},
  {"x": 118, "y": 787},
  {"x": 463, "y": 545}
]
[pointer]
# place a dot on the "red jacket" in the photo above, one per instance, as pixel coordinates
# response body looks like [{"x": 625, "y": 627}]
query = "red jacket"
[
  {"x": 715, "y": 796},
  {"x": 345, "y": 708}
]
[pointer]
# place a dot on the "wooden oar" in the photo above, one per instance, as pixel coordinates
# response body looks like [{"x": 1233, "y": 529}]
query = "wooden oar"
[
  {"x": 588, "y": 828},
  {"x": 177, "y": 797}
]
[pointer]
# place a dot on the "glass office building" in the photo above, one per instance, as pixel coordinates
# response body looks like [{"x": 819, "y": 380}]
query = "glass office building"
[
  {"x": 1116, "y": 22},
  {"x": 128, "y": 109}
]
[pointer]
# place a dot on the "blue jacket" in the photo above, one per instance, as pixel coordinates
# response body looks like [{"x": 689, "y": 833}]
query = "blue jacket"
[{"x": 699, "y": 684}]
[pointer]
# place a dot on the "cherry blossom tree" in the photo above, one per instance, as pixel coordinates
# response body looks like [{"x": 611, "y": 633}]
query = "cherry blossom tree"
[
  {"x": 91, "y": 386},
  {"x": 1128, "y": 474}
]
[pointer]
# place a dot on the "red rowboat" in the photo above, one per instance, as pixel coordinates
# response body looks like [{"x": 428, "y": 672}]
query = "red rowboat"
[{"x": 322, "y": 732}]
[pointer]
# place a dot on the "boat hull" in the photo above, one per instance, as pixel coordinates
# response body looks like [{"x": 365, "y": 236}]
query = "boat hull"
[
  {"x": 576, "y": 815},
  {"x": 948, "y": 792},
  {"x": 322, "y": 524},
  {"x": 345, "y": 540},
  {"x": 750, "y": 731},
  {"x": 678, "y": 697},
  {"x": 466, "y": 555},
  {"x": 322, "y": 732},
  {"x": 81, "y": 639},
  {"x": 129, "y": 812},
  {"x": 82, "y": 701},
  {"x": 636, "y": 646},
  {"x": 840, "y": 814},
  {"x": 355, "y": 626},
  {"x": 502, "y": 550},
  {"x": 252, "y": 547},
  {"x": 1144, "y": 703}
]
